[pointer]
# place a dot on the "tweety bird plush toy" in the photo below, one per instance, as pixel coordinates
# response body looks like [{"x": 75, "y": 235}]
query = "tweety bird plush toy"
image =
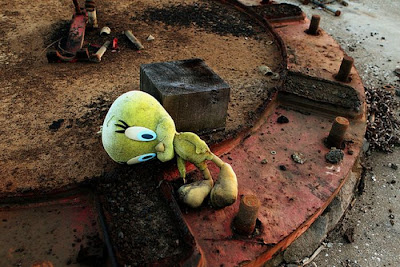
[{"x": 137, "y": 128}]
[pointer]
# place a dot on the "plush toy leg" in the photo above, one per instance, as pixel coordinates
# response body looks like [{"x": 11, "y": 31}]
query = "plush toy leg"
[
  {"x": 181, "y": 168},
  {"x": 194, "y": 194},
  {"x": 225, "y": 191}
]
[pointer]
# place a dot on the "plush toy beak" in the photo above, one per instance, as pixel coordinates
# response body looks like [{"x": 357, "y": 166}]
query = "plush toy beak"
[{"x": 160, "y": 147}]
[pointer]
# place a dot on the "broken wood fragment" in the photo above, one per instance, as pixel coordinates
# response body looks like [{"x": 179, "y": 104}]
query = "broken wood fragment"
[
  {"x": 99, "y": 54},
  {"x": 134, "y": 40}
]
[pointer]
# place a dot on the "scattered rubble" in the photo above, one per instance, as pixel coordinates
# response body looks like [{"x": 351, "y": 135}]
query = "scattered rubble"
[
  {"x": 282, "y": 119},
  {"x": 393, "y": 166},
  {"x": 382, "y": 128},
  {"x": 150, "y": 38},
  {"x": 265, "y": 70},
  {"x": 298, "y": 158},
  {"x": 334, "y": 156},
  {"x": 212, "y": 16},
  {"x": 349, "y": 235},
  {"x": 105, "y": 31},
  {"x": 56, "y": 125}
]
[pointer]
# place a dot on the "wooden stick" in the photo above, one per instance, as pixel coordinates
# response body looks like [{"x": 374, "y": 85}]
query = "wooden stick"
[
  {"x": 134, "y": 40},
  {"x": 99, "y": 54}
]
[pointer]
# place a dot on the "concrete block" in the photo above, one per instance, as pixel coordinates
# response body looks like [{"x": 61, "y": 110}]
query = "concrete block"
[{"x": 194, "y": 95}]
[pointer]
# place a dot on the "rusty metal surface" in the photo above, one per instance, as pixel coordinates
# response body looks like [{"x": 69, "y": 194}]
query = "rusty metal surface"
[
  {"x": 313, "y": 62},
  {"x": 292, "y": 195},
  {"x": 76, "y": 34},
  {"x": 290, "y": 199},
  {"x": 53, "y": 230}
]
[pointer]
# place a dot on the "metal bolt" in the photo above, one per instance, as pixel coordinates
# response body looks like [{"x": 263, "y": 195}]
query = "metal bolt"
[
  {"x": 338, "y": 130},
  {"x": 245, "y": 221},
  {"x": 345, "y": 68},
  {"x": 314, "y": 25}
]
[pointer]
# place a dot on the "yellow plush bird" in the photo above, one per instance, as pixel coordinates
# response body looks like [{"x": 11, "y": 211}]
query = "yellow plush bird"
[{"x": 137, "y": 128}]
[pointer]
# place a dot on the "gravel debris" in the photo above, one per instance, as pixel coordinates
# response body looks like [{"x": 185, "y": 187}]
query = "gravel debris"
[
  {"x": 210, "y": 16},
  {"x": 282, "y": 119},
  {"x": 383, "y": 125},
  {"x": 298, "y": 158},
  {"x": 334, "y": 156}
]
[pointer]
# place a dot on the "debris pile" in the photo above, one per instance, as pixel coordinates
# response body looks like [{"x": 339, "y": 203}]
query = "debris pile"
[
  {"x": 212, "y": 17},
  {"x": 383, "y": 125}
]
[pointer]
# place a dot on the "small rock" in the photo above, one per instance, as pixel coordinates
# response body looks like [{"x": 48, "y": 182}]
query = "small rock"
[
  {"x": 121, "y": 235},
  {"x": 264, "y": 161},
  {"x": 282, "y": 119},
  {"x": 334, "y": 156},
  {"x": 349, "y": 235},
  {"x": 397, "y": 71},
  {"x": 391, "y": 216},
  {"x": 150, "y": 38},
  {"x": 391, "y": 222},
  {"x": 282, "y": 167},
  {"x": 276, "y": 76},
  {"x": 394, "y": 166},
  {"x": 298, "y": 158},
  {"x": 56, "y": 125},
  {"x": 265, "y": 70}
]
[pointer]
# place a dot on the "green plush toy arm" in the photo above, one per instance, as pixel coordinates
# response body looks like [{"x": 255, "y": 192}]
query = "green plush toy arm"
[
  {"x": 200, "y": 146},
  {"x": 165, "y": 135}
]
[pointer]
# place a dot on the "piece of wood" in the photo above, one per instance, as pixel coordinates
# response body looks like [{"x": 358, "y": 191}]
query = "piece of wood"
[
  {"x": 99, "y": 54},
  {"x": 134, "y": 40}
]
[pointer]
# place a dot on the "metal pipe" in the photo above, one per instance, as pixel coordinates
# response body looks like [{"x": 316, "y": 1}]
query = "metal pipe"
[{"x": 337, "y": 12}]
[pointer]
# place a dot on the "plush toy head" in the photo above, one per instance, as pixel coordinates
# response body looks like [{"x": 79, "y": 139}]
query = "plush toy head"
[{"x": 137, "y": 128}]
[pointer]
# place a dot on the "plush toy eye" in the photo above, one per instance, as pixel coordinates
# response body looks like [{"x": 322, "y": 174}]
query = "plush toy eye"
[
  {"x": 140, "y": 134},
  {"x": 141, "y": 158}
]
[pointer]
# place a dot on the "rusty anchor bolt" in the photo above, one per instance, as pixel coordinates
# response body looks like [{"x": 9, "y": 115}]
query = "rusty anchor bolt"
[
  {"x": 338, "y": 130},
  {"x": 314, "y": 25},
  {"x": 345, "y": 68},
  {"x": 245, "y": 221}
]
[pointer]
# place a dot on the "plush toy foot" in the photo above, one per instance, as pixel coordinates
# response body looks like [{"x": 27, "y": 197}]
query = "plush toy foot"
[
  {"x": 225, "y": 190},
  {"x": 194, "y": 194}
]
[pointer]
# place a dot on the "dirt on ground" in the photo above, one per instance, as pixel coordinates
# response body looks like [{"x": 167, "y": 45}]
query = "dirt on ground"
[
  {"x": 51, "y": 112},
  {"x": 142, "y": 226}
]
